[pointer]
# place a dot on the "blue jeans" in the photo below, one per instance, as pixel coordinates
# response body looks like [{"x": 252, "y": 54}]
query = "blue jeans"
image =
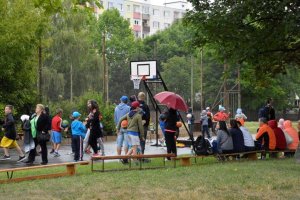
[
  {"x": 122, "y": 138},
  {"x": 205, "y": 130}
]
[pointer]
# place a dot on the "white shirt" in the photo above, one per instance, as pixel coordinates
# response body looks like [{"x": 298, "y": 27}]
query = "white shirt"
[{"x": 248, "y": 140}]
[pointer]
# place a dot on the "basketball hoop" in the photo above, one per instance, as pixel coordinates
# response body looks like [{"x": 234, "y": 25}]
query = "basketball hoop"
[{"x": 136, "y": 81}]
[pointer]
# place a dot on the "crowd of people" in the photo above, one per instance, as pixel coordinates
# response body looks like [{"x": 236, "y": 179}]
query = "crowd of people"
[{"x": 132, "y": 118}]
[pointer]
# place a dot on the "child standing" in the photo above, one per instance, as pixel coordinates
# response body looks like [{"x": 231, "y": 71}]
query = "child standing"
[
  {"x": 204, "y": 123},
  {"x": 190, "y": 120},
  {"x": 78, "y": 134},
  {"x": 9, "y": 139}
]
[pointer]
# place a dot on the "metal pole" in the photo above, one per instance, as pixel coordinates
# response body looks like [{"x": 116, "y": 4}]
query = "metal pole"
[
  {"x": 239, "y": 89},
  {"x": 192, "y": 82},
  {"x": 201, "y": 79}
]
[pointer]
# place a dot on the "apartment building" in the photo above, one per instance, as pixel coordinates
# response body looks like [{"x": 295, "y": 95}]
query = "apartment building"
[{"x": 144, "y": 17}]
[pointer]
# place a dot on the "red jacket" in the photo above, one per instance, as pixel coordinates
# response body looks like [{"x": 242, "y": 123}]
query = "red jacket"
[
  {"x": 221, "y": 116},
  {"x": 280, "y": 138}
]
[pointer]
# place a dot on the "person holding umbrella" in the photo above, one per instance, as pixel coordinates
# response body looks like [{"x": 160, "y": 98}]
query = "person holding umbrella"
[
  {"x": 170, "y": 131},
  {"x": 174, "y": 102}
]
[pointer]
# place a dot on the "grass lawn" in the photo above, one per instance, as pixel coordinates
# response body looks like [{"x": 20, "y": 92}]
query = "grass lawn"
[{"x": 268, "y": 179}]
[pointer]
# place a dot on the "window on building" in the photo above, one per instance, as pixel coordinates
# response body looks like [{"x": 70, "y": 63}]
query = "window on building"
[
  {"x": 167, "y": 13},
  {"x": 128, "y": 8},
  {"x": 120, "y": 7},
  {"x": 145, "y": 10},
  {"x": 136, "y": 8},
  {"x": 155, "y": 12},
  {"x": 155, "y": 24},
  {"x": 166, "y": 25},
  {"x": 110, "y": 5},
  {"x": 137, "y": 34},
  {"x": 136, "y": 22}
]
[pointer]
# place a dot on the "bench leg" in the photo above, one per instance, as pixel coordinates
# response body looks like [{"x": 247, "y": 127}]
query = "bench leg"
[
  {"x": 140, "y": 163},
  {"x": 92, "y": 165},
  {"x": 9, "y": 176},
  {"x": 129, "y": 163},
  {"x": 70, "y": 169},
  {"x": 174, "y": 163},
  {"x": 252, "y": 156},
  {"x": 185, "y": 162},
  {"x": 164, "y": 160},
  {"x": 102, "y": 165}
]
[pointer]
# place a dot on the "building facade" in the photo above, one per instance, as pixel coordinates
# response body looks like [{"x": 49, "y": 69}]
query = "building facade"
[{"x": 144, "y": 17}]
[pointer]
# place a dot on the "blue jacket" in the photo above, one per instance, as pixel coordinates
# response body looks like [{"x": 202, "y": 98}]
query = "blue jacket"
[
  {"x": 121, "y": 110},
  {"x": 78, "y": 128}
]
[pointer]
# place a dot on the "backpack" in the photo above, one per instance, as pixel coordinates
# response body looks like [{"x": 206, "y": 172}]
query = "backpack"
[{"x": 202, "y": 146}]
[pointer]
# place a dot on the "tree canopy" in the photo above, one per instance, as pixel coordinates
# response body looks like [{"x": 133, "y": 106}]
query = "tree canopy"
[{"x": 263, "y": 34}]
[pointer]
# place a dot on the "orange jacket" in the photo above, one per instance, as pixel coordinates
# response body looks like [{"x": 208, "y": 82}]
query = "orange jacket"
[
  {"x": 221, "y": 116},
  {"x": 293, "y": 133},
  {"x": 272, "y": 138}
]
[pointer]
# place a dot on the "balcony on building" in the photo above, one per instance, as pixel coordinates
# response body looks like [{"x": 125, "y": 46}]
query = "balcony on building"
[
  {"x": 146, "y": 16},
  {"x": 137, "y": 28},
  {"x": 136, "y": 15},
  {"x": 146, "y": 27},
  {"x": 176, "y": 15}
]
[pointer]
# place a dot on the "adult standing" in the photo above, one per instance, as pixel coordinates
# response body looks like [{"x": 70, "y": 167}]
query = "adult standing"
[
  {"x": 145, "y": 117},
  {"x": 267, "y": 111},
  {"x": 121, "y": 110},
  {"x": 170, "y": 130},
  {"x": 39, "y": 127},
  {"x": 93, "y": 124}
]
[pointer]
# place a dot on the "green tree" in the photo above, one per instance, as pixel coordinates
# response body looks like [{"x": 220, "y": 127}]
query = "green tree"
[
  {"x": 117, "y": 39},
  {"x": 263, "y": 34},
  {"x": 18, "y": 25}
]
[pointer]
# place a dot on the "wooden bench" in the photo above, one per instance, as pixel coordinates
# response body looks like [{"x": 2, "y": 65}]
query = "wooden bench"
[
  {"x": 70, "y": 167},
  {"x": 129, "y": 158}
]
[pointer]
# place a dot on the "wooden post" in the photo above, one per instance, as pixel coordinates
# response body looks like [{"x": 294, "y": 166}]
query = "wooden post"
[
  {"x": 239, "y": 88},
  {"x": 192, "y": 82},
  {"x": 40, "y": 66},
  {"x": 71, "y": 82},
  {"x": 70, "y": 169}
]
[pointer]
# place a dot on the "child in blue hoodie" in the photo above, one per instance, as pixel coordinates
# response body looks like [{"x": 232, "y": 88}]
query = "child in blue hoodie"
[{"x": 78, "y": 134}]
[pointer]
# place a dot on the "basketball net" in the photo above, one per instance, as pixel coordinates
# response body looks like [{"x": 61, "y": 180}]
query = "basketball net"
[{"x": 136, "y": 81}]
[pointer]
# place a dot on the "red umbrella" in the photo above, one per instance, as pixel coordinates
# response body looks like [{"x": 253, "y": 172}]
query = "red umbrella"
[{"x": 172, "y": 100}]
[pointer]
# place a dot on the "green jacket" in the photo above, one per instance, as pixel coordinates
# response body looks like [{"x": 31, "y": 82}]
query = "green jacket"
[{"x": 134, "y": 122}]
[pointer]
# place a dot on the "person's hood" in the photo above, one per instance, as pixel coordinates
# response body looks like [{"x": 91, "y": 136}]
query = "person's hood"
[
  {"x": 132, "y": 113},
  {"x": 272, "y": 124},
  {"x": 287, "y": 124},
  {"x": 203, "y": 112},
  {"x": 239, "y": 111},
  {"x": 122, "y": 106},
  {"x": 280, "y": 123}
]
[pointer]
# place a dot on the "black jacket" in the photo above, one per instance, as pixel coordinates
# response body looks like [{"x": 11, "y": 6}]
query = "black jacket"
[
  {"x": 9, "y": 126},
  {"x": 93, "y": 124},
  {"x": 171, "y": 119},
  {"x": 238, "y": 140},
  {"x": 42, "y": 124},
  {"x": 146, "y": 112}
]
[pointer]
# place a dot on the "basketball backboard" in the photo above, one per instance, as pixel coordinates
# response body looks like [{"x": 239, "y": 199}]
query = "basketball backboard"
[{"x": 138, "y": 69}]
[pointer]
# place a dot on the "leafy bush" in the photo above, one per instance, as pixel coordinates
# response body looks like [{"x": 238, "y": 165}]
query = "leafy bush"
[{"x": 80, "y": 104}]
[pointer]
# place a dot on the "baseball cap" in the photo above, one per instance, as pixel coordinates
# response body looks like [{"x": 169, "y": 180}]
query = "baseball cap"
[
  {"x": 135, "y": 104},
  {"x": 124, "y": 99},
  {"x": 76, "y": 114}
]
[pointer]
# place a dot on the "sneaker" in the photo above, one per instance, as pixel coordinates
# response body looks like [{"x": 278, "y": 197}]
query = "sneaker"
[
  {"x": 21, "y": 158},
  {"x": 96, "y": 154},
  {"x": 29, "y": 162},
  {"x": 52, "y": 151},
  {"x": 87, "y": 151},
  {"x": 5, "y": 157},
  {"x": 70, "y": 153},
  {"x": 103, "y": 154},
  {"x": 56, "y": 154},
  {"x": 43, "y": 163}
]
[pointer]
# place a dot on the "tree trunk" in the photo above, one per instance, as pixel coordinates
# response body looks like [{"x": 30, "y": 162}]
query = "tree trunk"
[{"x": 40, "y": 72}]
